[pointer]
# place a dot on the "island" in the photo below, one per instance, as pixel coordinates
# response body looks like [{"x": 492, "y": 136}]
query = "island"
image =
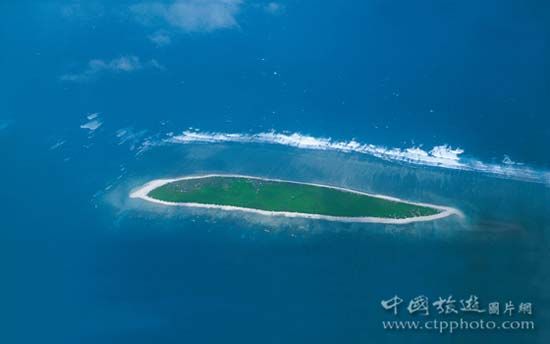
[{"x": 286, "y": 198}]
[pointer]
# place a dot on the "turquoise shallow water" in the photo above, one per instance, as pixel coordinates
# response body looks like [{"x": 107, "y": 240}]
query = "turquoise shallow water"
[
  {"x": 89, "y": 96},
  {"x": 107, "y": 268}
]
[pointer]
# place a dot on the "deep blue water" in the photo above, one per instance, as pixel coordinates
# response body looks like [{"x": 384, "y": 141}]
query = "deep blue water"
[
  {"x": 82, "y": 263},
  {"x": 481, "y": 68}
]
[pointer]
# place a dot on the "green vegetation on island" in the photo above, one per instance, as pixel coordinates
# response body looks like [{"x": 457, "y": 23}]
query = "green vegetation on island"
[{"x": 281, "y": 196}]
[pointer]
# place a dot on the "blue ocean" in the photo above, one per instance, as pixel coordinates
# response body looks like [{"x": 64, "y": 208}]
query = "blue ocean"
[{"x": 443, "y": 102}]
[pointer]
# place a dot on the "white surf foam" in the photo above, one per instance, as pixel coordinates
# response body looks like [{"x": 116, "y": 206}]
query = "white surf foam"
[
  {"x": 91, "y": 125},
  {"x": 92, "y": 116},
  {"x": 443, "y": 156}
]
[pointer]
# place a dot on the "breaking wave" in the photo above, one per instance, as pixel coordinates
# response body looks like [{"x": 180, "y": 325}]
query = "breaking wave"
[{"x": 442, "y": 156}]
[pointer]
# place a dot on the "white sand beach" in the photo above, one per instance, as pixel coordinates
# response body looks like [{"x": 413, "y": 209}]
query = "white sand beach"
[{"x": 143, "y": 191}]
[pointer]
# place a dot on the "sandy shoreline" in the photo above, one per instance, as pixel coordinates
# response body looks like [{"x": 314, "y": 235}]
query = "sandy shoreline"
[{"x": 143, "y": 191}]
